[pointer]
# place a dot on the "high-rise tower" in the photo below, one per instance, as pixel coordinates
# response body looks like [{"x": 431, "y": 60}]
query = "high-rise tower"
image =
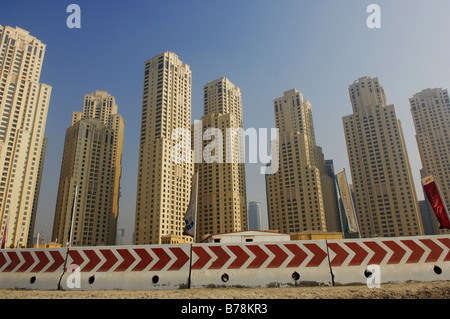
[
  {"x": 431, "y": 114},
  {"x": 91, "y": 167},
  {"x": 164, "y": 185},
  {"x": 23, "y": 113},
  {"x": 385, "y": 199},
  {"x": 294, "y": 193},
  {"x": 222, "y": 202}
]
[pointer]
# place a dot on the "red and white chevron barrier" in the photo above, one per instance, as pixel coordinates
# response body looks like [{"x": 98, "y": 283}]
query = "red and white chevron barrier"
[
  {"x": 271, "y": 264},
  {"x": 402, "y": 259},
  {"x": 31, "y": 268},
  {"x": 260, "y": 265},
  {"x": 127, "y": 267}
]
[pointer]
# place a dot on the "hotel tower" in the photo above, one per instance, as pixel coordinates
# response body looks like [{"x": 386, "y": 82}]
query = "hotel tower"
[
  {"x": 431, "y": 114},
  {"x": 385, "y": 199},
  {"x": 91, "y": 168},
  {"x": 163, "y": 185},
  {"x": 294, "y": 193},
  {"x": 222, "y": 200},
  {"x": 23, "y": 113}
]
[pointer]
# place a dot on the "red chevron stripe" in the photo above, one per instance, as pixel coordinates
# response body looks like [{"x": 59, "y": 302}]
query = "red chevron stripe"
[
  {"x": 299, "y": 255},
  {"x": 14, "y": 261},
  {"x": 417, "y": 251},
  {"x": 2, "y": 259},
  {"x": 146, "y": 259},
  {"x": 398, "y": 254},
  {"x": 446, "y": 242},
  {"x": 241, "y": 257},
  {"x": 319, "y": 255},
  {"x": 94, "y": 260},
  {"x": 435, "y": 252},
  {"x": 280, "y": 256},
  {"x": 58, "y": 260},
  {"x": 203, "y": 257},
  {"x": 43, "y": 261},
  {"x": 222, "y": 257},
  {"x": 164, "y": 259},
  {"x": 379, "y": 255},
  {"x": 128, "y": 259},
  {"x": 260, "y": 257},
  {"x": 182, "y": 258},
  {"x": 341, "y": 254},
  {"x": 111, "y": 260},
  {"x": 360, "y": 254},
  {"x": 76, "y": 258},
  {"x": 29, "y": 260}
]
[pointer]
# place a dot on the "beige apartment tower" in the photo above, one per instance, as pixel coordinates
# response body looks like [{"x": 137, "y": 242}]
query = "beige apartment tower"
[
  {"x": 294, "y": 193},
  {"x": 222, "y": 200},
  {"x": 385, "y": 199},
  {"x": 91, "y": 168},
  {"x": 431, "y": 114},
  {"x": 164, "y": 185},
  {"x": 23, "y": 113}
]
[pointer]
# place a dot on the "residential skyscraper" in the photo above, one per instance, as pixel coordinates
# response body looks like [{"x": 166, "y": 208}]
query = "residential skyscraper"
[
  {"x": 385, "y": 199},
  {"x": 163, "y": 186},
  {"x": 91, "y": 167},
  {"x": 294, "y": 193},
  {"x": 254, "y": 216},
  {"x": 430, "y": 110},
  {"x": 24, "y": 105},
  {"x": 222, "y": 200}
]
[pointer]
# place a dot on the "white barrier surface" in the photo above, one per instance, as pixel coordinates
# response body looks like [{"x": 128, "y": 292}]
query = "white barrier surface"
[
  {"x": 127, "y": 268},
  {"x": 271, "y": 264},
  {"x": 390, "y": 260},
  {"x": 38, "y": 269}
]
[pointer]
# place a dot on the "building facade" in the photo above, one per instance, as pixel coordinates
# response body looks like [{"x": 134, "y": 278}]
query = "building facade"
[
  {"x": 222, "y": 201},
  {"x": 254, "y": 216},
  {"x": 294, "y": 193},
  {"x": 385, "y": 199},
  {"x": 24, "y": 105},
  {"x": 430, "y": 110},
  {"x": 91, "y": 168},
  {"x": 164, "y": 185}
]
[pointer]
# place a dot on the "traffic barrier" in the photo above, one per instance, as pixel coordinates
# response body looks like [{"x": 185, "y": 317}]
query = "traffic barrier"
[
  {"x": 127, "y": 267},
  {"x": 390, "y": 260},
  {"x": 31, "y": 268},
  {"x": 260, "y": 265}
]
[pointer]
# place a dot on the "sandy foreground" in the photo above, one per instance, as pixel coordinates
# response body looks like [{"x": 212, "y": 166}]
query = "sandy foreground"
[{"x": 419, "y": 290}]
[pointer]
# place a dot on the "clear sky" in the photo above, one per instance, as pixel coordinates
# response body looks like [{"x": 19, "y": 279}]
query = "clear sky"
[{"x": 265, "y": 47}]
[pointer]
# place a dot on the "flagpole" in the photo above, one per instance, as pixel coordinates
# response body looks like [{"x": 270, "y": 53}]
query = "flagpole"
[
  {"x": 72, "y": 216},
  {"x": 195, "y": 210}
]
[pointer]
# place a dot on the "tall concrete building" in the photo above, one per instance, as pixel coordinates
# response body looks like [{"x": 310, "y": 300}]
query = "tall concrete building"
[
  {"x": 254, "y": 216},
  {"x": 23, "y": 113},
  {"x": 294, "y": 193},
  {"x": 385, "y": 199},
  {"x": 222, "y": 200},
  {"x": 164, "y": 185},
  {"x": 431, "y": 114},
  {"x": 91, "y": 167}
]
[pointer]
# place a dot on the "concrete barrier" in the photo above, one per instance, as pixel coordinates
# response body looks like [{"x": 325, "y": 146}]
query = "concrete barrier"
[
  {"x": 272, "y": 264},
  {"x": 31, "y": 268},
  {"x": 127, "y": 267},
  {"x": 390, "y": 260}
]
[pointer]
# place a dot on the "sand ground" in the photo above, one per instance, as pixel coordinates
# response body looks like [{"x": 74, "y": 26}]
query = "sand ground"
[{"x": 419, "y": 290}]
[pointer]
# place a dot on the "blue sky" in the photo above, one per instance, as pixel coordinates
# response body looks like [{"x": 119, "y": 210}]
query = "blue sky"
[{"x": 264, "y": 47}]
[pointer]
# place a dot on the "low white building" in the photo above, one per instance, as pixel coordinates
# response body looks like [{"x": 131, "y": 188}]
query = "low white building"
[{"x": 247, "y": 237}]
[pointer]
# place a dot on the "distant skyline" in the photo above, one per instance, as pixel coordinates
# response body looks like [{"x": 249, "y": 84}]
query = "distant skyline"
[{"x": 264, "y": 47}]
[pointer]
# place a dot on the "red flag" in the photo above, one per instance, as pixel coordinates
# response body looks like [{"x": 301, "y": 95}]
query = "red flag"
[{"x": 436, "y": 201}]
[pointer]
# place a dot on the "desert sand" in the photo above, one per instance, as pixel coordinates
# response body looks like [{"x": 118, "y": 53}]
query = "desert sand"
[{"x": 416, "y": 290}]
